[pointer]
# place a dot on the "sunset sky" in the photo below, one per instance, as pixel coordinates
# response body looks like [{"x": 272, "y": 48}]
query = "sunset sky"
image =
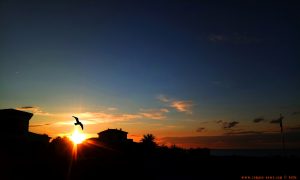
[{"x": 209, "y": 74}]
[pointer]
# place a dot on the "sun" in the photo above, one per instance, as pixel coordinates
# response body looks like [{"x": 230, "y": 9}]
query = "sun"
[{"x": 77, "y": 137}]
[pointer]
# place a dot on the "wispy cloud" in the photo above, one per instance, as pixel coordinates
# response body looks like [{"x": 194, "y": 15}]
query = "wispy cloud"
[
  {"x": 295, "y": 113},
  {"x": 232, "y": 124},
  {"x": 157, "y": 114},
  {"x": 178, "y": 105},
  {"x": 245, "y": 141},
  {"x": 237, "y": 38},
  {"x": 38, "y": 125},
  {"x": 97, "y": 117},
  {"x": 59, "y": 123},
  {"x": 85, "y": 122},
  {"x": 163, "y": 98},
  {"x": 219, "y": 121},
  {"x": 152, "y": 115},
  {"x": 200, "y": 129},
  {"x": 34, "y": 109},
  {"x": 182, "y": 106},
  {"x": 107, "y": 117},
  {"x": 164, "y": 110},
  {"x": 227, "y": 125},
  {"x": 244, "y": 132},
  {"x": 257, "y": 120},
  {"x": 101, "y": 117},
  {"x": 275, "y": 121},
  {"x": 112, "y": 108},
  {"x": 217, "y": 38}
]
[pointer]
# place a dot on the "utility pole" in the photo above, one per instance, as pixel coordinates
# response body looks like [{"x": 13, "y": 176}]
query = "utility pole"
[
  {"x": 283, "y": 146},
  {"x": 282, "y": 134}
]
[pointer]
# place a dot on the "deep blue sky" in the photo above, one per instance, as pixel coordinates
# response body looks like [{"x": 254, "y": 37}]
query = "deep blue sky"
[{"x": 234, "y": 60}]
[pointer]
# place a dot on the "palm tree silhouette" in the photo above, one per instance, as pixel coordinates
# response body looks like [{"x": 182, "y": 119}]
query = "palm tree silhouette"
[{"x": 148, "y": 141}]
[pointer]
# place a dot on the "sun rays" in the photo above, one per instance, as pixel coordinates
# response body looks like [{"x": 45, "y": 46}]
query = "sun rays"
[{"x": 77, "y": 137}]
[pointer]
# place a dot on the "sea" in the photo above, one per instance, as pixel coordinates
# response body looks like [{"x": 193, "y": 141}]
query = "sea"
[{"x": 255, "y": 152}]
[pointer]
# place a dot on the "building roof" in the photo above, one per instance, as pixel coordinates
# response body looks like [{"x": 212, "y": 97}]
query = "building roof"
[
  {"x": 38, "y": 137},
  {"x": 15, "y": 114},
  {"x": 113, "y": 131}
]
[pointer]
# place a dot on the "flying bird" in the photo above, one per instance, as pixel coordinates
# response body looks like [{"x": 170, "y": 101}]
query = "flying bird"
[{"x": 78, "y": 122}]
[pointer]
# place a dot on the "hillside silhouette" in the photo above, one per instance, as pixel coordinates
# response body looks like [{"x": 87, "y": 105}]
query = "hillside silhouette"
[{"x": 26, "y": 155}]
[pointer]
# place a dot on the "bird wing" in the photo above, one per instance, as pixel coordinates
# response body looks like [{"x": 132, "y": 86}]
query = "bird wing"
[
  {"x": 81, "y": 125},
  {"x": 77, "y": 120}
]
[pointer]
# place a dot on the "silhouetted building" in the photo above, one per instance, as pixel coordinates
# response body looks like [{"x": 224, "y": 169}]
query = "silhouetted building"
[
  {"x": 15, "y": 125},
  {"x": 113, "y": 136},
  {"x": 14, "y": 122},
  {"x": 38, "y": 138}
]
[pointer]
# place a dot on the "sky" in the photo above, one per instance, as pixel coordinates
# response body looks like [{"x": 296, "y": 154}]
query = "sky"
[{"x": 198, "y": 74}]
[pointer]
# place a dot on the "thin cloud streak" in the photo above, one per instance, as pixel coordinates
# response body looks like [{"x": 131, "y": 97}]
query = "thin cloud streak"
[
  {"x": 231, "y": 124},
  {"x": 97, "y": 117},
  {"x": 112, "y": 108},
  {"x": 295, "y": 113},
  {"x": 157, "y": 114},
  {"x": 152, "y": 116},
  {"x": 257, "y": 120},
  {"x": 244, "y": 133},
  {"x": 34, "y": 109},
  {"x": 242, "y": 141},
  {"x": 217, "y": 38},
  {"x": 102, "y": 117},
  {"x": 38, "y": 125},
  {"x": 227, "y": 125},
  {"x": 182, "y": 106},
  {"x": 275, "y": 121},
  {"x": 200, "y": 129},
  {"x": 85, "y": 122},
  {"x": 163, "y": 98},
  {"x": 164, "y": 110},
  {"x": 219, "y": 121},
  {"x": 237, "y": 38},
  {"x": 178, "y": 105}
]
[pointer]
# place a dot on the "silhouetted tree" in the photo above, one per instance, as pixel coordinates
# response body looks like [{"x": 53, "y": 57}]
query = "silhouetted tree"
[
  {"x": 61, "y": 147},
  {"x": 148, "y": 141}
]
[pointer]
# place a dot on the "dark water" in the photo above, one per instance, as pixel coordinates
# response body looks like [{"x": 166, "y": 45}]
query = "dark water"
[{"x": 255, "y": 152}]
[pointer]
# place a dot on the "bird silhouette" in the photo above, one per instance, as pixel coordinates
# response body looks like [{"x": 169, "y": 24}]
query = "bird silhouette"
[{"x": 78, "y": 122}]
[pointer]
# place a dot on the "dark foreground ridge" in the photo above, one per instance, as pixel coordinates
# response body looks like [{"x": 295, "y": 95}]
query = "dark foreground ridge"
[{"x": 25, "y": 155}]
